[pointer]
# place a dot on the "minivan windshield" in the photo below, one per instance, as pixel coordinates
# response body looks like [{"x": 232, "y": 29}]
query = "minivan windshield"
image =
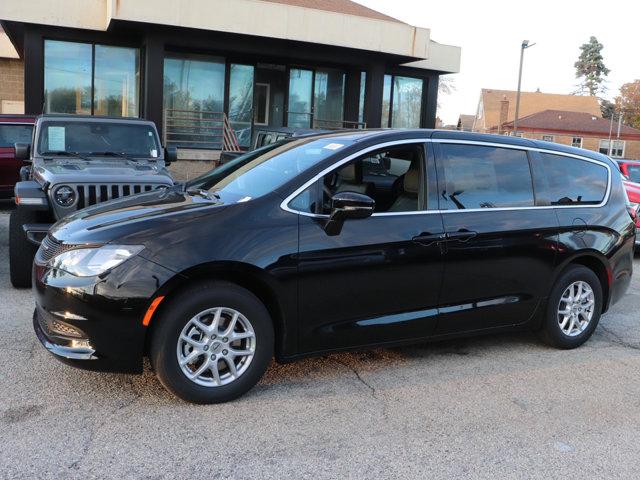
[
  {"x": 264, "y": 170},
  {"x": 92, "y": 138}
]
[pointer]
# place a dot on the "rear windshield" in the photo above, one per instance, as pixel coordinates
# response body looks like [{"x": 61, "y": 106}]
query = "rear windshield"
[
  {"x": 89, "y": 138},
  {"x": 12, "y": 134}
]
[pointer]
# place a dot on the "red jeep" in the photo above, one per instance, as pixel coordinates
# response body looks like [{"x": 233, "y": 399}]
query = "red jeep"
[{"x": 13, "y": 129}]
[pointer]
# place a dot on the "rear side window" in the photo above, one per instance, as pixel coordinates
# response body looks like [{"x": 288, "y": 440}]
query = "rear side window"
[
  {"x": 485, "y": 177},
  {"x": 12, "y": 134},
  {"x": 568, "y": 181}
]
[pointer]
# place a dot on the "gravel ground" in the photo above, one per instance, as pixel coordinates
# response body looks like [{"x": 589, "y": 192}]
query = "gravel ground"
[{"x": 490, "y": 407}]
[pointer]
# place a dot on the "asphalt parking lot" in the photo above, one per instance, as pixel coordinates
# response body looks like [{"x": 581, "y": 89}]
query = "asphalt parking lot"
[{"x": 490, "y": 407}]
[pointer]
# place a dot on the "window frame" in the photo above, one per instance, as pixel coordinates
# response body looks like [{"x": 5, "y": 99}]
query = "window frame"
[
  {"x": 427, "y": 180},
  {"x": 573, "y": 141},
  {"x": 610, "y": 147},
  {"x": 548, "y": 138},
  {"x": 433, "y": 165},
  {"x": 393, "y": 76}
]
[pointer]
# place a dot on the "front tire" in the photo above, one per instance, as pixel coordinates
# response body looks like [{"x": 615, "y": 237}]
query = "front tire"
[
  {"x": 573, "y": 309},
  {"x": 21, "y": 250},
  {"x": 212, "y": 343}
]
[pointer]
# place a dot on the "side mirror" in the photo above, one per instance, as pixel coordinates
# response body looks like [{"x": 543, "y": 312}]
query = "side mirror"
[
  {"x": 170, "y": 155},
  {"x": 348, "y": 206},
  {"x": 23, "y": 151}
]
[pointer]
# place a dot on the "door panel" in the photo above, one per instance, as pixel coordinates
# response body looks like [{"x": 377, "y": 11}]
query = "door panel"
[
  {"x": 371, "y": 283},
  {"x": 496, "y": 277},
  {"x": 500, "y": 249}
]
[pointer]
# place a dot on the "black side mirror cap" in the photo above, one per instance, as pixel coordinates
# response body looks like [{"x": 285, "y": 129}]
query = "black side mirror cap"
[
  {"x": 170, "y": 155},
  {"x": 348, "y": 206},
  {"x": 23, "y": 151}
]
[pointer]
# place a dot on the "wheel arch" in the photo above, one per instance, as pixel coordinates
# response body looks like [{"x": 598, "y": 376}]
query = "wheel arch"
[
  {"x": 598, "y": 264},
  {"x": 250, "y": 277}
]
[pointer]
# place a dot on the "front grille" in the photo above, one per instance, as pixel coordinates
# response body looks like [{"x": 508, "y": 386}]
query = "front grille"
[
  {"x": 98, "y": 193},
  {"x": 49, "y": 248}
]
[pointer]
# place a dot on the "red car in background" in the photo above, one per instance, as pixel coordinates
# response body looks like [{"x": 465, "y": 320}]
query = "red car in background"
[
  {"x": 13, "y": 129},
  {"x": 631, "y": 171}
]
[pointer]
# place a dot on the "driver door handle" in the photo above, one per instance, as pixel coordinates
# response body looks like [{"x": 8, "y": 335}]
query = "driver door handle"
[
  {"x": 427, "y": 239},
  {"x": 462, "y": 235}
]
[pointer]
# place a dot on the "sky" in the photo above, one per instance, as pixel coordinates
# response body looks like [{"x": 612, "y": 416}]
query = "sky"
[{"x": 490, "y": 33}]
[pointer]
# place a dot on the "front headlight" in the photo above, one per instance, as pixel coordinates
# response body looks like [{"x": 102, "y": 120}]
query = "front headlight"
[{"x": 88, "y": 262}]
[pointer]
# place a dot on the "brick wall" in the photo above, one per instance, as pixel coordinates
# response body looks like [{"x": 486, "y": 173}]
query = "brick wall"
[{"x": 11, "y": 80}]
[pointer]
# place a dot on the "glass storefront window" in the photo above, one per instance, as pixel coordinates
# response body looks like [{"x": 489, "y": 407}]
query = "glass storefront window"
[
  {"x": 407, "y": 102},
  {"x": 386, "y": 101},
  {"x": 300, "y": 92},
  {"x": 363, "y": 87},
  {"x": 116, "y": 81},
  {"x": 241, "y": 102},
  {"x": 67, "y": 77},
  {"x": 328, "y": 98},
  {"x": 195, "y": 84},
  {"x": 83, "y": 78}
]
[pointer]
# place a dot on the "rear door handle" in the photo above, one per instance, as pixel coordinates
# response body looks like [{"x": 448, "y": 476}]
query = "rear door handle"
[
  {"x": 427, "y": 239},
  {"x": 462, "y": 235}
]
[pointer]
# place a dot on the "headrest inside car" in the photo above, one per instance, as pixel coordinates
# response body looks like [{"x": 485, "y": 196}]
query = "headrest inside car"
[
  {"x": 412, "y": 180},
  {"x": 348, "y": 173}
]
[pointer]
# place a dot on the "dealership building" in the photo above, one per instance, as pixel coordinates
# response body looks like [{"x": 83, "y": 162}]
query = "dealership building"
[{"x": 193, "y": 66}]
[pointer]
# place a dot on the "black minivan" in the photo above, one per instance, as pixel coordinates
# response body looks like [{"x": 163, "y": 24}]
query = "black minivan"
[{"x": 331, "y": 242}]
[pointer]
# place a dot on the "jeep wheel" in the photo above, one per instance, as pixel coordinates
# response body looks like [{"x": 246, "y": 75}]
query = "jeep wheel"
[{"x": 21, "y": 250}]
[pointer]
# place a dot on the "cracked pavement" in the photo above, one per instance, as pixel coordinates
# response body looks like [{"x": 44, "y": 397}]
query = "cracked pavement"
[{"x": 487, "y": 407}]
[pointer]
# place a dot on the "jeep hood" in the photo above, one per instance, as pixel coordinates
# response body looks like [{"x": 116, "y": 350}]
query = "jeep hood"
[{"x": 98, "y": 171}]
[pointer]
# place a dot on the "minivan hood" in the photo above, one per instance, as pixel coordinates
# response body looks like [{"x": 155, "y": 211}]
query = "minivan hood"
[{"x": 150, "y": 211}]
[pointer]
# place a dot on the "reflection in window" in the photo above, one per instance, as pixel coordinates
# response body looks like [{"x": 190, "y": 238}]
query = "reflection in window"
[
  {"x": 407, "y": 102},
  {"x": 194, "y": 83},
  {"x": 386, "y": 101},
  {"x": 67, "y": 77},
  {"x": 300, "y": 91},
  {"x": 486, "y": 177},
  {"x": 565, "y": 180},
  {"x": 363, "y": 87},
  {"x": 241, "y": 102},
  {"x": 328, "y": 98},
  {"x": 116, "y": 82}
]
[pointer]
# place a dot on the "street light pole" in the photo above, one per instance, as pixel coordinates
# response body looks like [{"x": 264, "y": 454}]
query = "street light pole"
[{"x": 525, "y": 45}]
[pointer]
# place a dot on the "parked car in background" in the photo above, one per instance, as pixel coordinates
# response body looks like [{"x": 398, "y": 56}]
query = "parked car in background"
[
  {"x": 13, "y": 129},
  {"x": 631, "y": 171},
  {"x": 75, "y": 162},
  {"x": 304, "y": 247}
]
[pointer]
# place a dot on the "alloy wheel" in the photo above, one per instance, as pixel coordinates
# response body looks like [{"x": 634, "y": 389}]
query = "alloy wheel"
[
  {"x": 576, "y": 308},
  {"x": 216, "y": 347}
]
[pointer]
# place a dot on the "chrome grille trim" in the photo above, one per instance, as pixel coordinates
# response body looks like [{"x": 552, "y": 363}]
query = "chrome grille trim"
[{"x": 94, "y": 193}]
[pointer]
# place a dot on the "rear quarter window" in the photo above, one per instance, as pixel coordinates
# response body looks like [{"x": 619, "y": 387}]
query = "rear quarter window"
[{"x": 562, "y": 180}]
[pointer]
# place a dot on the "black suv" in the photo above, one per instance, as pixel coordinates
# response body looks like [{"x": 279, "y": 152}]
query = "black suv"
[{"x": 332, "y": 242}]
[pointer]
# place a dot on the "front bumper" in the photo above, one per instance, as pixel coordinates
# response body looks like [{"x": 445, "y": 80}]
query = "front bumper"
[{"x": 95, "y": 323}]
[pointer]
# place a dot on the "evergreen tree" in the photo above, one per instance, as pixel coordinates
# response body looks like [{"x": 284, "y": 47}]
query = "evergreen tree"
[{"x": 590, "y": 67}]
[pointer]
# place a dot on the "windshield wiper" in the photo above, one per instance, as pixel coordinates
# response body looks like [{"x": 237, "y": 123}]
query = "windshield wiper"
[
  {"x": 112, "y": 154},
  {"x": 64, "y": 153},
  {"x": 203, "y": 193}
]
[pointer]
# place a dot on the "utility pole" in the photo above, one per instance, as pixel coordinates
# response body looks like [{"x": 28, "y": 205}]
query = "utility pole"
[{"x": 524, "y": 46}]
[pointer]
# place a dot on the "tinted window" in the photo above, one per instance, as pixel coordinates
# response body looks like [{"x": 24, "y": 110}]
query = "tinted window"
[
  {"x": 566, "y": 180},
  {"x": 486, "y": 177},
  {"x": 11, "y": 134}
]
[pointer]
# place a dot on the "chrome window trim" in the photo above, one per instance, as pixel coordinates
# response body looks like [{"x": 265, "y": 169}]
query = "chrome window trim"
[{"x": 284, "y": 205}]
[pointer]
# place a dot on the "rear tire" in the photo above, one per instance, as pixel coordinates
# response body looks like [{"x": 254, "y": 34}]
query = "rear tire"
[
  {"x": 574, "y": 308},
  {"x": 21, "y": 250},
  {"x": 187, "y": 328}
]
